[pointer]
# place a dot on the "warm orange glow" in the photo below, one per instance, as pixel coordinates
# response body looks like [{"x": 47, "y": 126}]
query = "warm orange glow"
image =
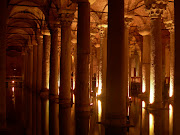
[
  {"x": 152, "y": 87},
  {"x": 171, "y": 86},
  {"x": 99, "y": 110},
  {"x": 143, "y": 112},
  {"x": 12, "y": 89},
  {"x": 143, "y": 80},
  {"x": 99, "y": 88},
  {"x": 151, "y": 124},
  {"x": 12, "y": 81},
  {"x": 170, "y": 119},
  {"x": 128, "y": 111}
]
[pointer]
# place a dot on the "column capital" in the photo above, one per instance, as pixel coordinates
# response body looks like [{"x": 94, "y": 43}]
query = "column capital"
[
  {"x": 169, "y": 25},
  {"x": 155, "y": 7},
  {"x": 128, "y": 20},
  {"x": 101, "y": 29},
  {"x": 66, "y": 18}
]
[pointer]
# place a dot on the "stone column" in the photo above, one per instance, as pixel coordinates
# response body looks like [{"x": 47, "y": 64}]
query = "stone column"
[
  {"x": 53, "y": 82},
  {"x": 34, "y": 67},
  {"x": 116, "y": 92},
  {"x": 176, "y": 112},
  {"x": 155, "y": 10},
  {"x": 146, "y": 63},
  {"x": 128, "y": 20},
  {"x": 65, "y": 60},
  {"x": 3, "y": 16},
  {"x": 30, "y": 67},
  {"x": 170, "y": 27},
  {"x": 39, "y": 63},
  {"x": 46, "y": 60},
  {"x": 83, "y": 51}
]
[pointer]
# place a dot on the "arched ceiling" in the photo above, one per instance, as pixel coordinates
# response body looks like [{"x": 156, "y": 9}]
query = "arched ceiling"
[{"x": 28, "y": 17}]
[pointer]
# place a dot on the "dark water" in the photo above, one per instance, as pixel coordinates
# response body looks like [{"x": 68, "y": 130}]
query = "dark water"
[{"x": 30, "y": 114}]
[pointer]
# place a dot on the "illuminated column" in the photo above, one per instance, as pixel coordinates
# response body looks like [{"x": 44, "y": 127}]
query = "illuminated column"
[
  {"x": 167, "y": 61},
  {"x": 3, "y": 16},
  {"x": 83, "y": 51},
  {"x": 65, "y": 66},
  {"x": 128, "y": 20},
  {"x": 34, "y": 67},
  {"x": 101, "y": 33},
  {"x": 53, "y": 82},
  {"x": 155, "y": 10},
  {"x": 97, "y": 64},
  {"x": 46, "y": 60},
  {"x": 116, "y": 89},
  {"x": 39, "y": 63},
  {"x": 146, "y": 62},
  {"x": 170, "y": 27}
]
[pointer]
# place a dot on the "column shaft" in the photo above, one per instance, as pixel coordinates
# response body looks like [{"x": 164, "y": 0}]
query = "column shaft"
[
  {"x": 172, "y": 58},
  {"x": 39, "y": 64},
  {"x": 46, "y": 62},
  {"x": 156, "y": 62},
  {"x": 53, "y": 82},
  {"x": 83, "y": 51},
  {"x": 146, "y": 64},
  {"x": 176, "y": 112},
  {"x": 3, "y": 16},
  {"x": 34, "y": 67},
  {"x": 30, "y": 67},
  {"x": 116, "y": 92},
  {"x": 65, "y": 67}
]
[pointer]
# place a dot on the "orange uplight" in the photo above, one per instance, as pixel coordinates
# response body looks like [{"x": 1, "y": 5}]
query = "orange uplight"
[{"x": 12, "y": 81}]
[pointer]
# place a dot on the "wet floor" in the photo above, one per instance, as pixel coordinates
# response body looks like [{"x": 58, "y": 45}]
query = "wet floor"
[{"x": 30, "y": 114}]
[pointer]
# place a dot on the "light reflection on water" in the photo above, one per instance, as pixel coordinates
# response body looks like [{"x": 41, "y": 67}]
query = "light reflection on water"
[
  {"x": 136, "y": 111},
  {"x": 151, "y": 124},
  {"x": 170, "y": 119}
]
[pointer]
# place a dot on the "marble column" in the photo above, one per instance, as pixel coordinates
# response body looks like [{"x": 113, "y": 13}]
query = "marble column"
[
  {"x": 176, "y": 112},
  {"x": 3, "y": 16},
  {"x": 39, "y": 64},
  {"x": 65, "y": 60},
  {"x": 53, "y": 81},
  {"x": 116, "y": 92},
  {"x": 46, "y": 61},
  {"x": 83, "y": 51},
  {"x": 146, "y": 63},
  {"x": 34, "y": 67},
  {"x": 170, "y": 27},
  {"x": 155, "y": 11}
]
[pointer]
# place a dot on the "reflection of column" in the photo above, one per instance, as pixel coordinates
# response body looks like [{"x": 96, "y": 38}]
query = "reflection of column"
[
  {"x": 53, "y": 118},
  {"x": 170, "y": 26},
  {"x": 44, "y": 116},
  {"x": 65, "y": 121},
  {"x": 3, "y": 9},
  {"x": 33, "y": 113},
  {"x": 65, "y": 66},
  {"x": 34, "y": 67},
  {"x": 38, "y": 115},
  {"x": 155, "y": 10},
  {"x": 146, "y": 62},
  {"x": 39, "y": 63},
  {"x": 53, "y": 82},
  {"x": 145, "y": 120},
  {"x": 83, "y": 51},
  {"x": 46, "y": 61},
  {"x": 116, "y": 93}
]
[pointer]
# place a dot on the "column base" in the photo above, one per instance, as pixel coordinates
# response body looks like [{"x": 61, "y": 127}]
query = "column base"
[
  {"x": 54, "y": 98},
  {"x": 65, "y": 103},
  {"x": 82, "y": 107},
  {"x": 144, "y": 96},
  {"x": 171, "y": 100},
  {"x": 155, "y": 107},
  {"x": 44, "y": 93}
]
